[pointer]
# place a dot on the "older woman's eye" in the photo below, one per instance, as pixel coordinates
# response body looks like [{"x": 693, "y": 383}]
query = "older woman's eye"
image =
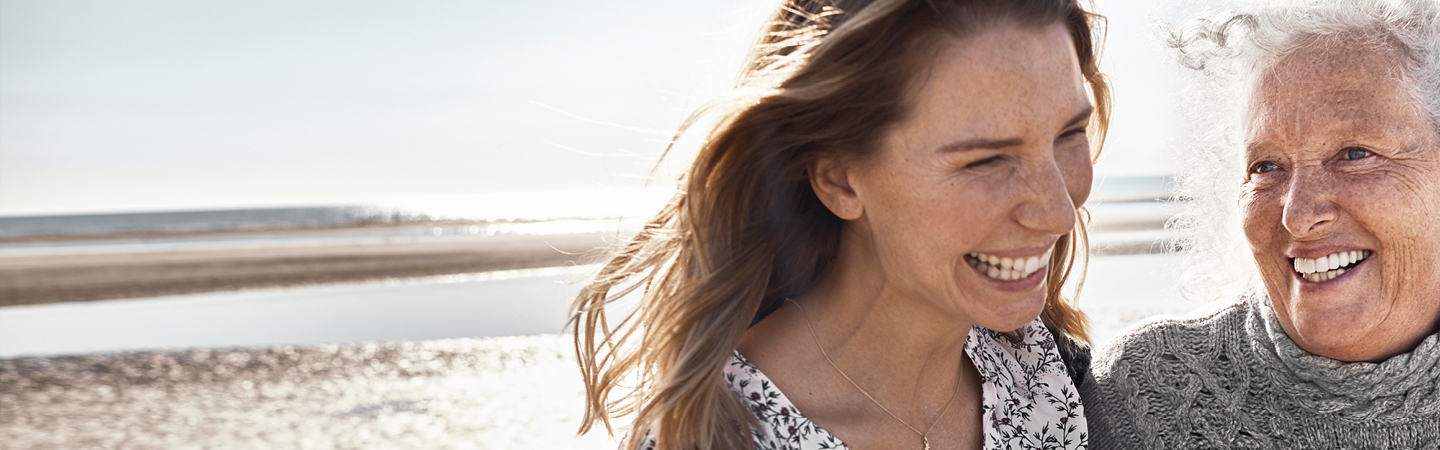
[
  {"x": 1264, "y": 166},
  {"x": 983, "y": 162},
  {"x": 1354, "y": 153}
]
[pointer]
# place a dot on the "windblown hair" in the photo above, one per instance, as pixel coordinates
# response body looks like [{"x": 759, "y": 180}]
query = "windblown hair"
[
  {"x": 1226, "y": 53},
  {"x": 746, "y": 231}
]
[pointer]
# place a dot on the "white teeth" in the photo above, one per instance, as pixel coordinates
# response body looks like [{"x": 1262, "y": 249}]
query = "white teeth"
[
  {"x": 1007, "y": 269},
  {"x": 1326, "y": 268},
  {"x": 1321, "y": 277}
]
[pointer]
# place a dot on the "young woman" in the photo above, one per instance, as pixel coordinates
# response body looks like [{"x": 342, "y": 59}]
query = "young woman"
[{"x": 869, "y": 248}]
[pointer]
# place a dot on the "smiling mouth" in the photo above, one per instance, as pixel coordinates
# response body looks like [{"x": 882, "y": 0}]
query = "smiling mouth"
[
  {"x": 1007, "y": 269},
  {"x": 1326, "y": 268}
]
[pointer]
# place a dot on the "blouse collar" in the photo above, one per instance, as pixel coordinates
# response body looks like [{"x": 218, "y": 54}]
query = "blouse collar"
[{"x": 1029, "y": 400}]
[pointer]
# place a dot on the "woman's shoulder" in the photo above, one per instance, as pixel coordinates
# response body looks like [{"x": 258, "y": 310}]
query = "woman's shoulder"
[
  {"x": 1148, "y": 373},
  {"x": 781, "y": 424},
  {"x": 1196, "y": 332},
  {"x": 1074, "y": 354}
]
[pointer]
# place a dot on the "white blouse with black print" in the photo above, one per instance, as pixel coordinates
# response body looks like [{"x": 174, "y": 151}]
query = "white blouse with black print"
[{"x": 1030, "y": 401}]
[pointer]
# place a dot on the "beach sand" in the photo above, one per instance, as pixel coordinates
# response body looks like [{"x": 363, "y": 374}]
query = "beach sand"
[
  {"x": 40, "y": 279},
  {"x": 496, "y": 393}
]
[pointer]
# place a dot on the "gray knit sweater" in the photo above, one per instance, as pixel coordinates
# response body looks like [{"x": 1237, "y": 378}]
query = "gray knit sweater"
[{"x": 1232, "y": 378}]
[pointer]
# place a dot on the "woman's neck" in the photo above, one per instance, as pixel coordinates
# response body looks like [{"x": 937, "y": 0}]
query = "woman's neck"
[{"x": 890, "y": 342}]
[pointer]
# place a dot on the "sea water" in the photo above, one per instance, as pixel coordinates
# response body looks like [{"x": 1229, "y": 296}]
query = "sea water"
[{"x": 1118, "y": 291}]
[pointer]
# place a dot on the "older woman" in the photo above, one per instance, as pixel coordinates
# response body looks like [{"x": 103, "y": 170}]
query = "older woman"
[
  {"x": 868, "y": 251},
  {"x": 1339, "y": 201}
]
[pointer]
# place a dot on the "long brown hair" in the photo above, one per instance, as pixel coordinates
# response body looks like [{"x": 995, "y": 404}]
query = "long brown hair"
[{"x": 746, "y": 231}]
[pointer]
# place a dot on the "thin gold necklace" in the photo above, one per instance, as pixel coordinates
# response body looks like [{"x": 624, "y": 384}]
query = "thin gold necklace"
[{"x": 924, "y": 437}]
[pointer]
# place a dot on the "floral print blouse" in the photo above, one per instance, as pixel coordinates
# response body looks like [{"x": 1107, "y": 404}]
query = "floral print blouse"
[{"x": 1029, "y": 399}]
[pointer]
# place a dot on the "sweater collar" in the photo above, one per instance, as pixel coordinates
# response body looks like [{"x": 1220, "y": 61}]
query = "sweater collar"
[{"x": 1407, "y": 377}]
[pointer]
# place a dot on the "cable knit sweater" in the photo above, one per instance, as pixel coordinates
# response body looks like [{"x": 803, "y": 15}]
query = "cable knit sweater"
[{"x": 1232, "y": 378}]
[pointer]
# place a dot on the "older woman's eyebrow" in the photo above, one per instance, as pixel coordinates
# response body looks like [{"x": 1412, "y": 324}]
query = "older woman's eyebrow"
[{"x": 993, "y": 144}]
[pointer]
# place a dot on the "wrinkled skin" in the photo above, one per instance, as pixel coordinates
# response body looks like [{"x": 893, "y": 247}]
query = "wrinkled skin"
[{"x": 1340, "y": 158}]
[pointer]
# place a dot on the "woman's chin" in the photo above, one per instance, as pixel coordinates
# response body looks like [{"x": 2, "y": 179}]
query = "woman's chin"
[
  {"x": 1013, "y": 315},
  {"x": 1006, "y": 304},
  {"x": 1333, "y": 334}
]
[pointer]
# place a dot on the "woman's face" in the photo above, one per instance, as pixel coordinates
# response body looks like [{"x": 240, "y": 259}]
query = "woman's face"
[
  {"x": 1341, "y": 204},
  {"x": 969, "y": 193}
]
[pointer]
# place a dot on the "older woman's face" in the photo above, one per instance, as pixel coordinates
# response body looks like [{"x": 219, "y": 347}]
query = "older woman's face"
[
  {"x": 1341, "y": 203},
  {"x": 969, "y": 193}
]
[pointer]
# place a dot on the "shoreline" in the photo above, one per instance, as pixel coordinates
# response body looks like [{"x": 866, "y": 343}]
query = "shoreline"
[
  {"x": 35, "y": 271},
  {"x": 46, "y": 279}
]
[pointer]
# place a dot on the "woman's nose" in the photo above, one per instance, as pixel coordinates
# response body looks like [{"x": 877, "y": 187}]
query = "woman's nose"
[
  {"x": 1047, "y": 205},
  {"x": 1309, "y": 209}
]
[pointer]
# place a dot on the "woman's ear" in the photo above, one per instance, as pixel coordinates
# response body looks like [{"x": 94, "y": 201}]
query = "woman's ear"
[{"x": 832, "y": 178}]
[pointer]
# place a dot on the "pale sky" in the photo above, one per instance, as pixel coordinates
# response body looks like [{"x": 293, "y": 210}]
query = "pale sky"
[{"x": 180, "y": 104}]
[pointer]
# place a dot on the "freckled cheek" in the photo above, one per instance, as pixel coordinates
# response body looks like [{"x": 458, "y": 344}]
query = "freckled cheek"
[
  {"x": 1079, "y": 176},
  {"x": 911, "y": 221},
  {"x": 1391, "y": 213},
  {"x": 1409, "y": 238},
  {"x": 964, "y": 219},
  {"x": 1405, "y": 225},
  {"x": 1260, "y": 215}
]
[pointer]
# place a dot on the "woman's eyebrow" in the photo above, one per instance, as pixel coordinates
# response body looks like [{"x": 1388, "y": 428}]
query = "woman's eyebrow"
[
  {"x": 1081, "y": 117},
  {"x": 994, "y": 144},
  {"x": 980, "y": 144}
]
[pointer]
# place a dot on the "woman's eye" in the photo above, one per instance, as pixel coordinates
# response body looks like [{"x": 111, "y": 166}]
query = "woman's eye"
[
  {"x": 983, "y": 162},
  {"x": 1354, "y": 153},
  {"x": 1264, "y": 166}
]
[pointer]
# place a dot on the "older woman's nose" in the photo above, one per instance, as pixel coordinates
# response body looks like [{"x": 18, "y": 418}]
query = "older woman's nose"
[
  {"x": 1046, "y": 205},
  {"x": 1309, "y": 206}
]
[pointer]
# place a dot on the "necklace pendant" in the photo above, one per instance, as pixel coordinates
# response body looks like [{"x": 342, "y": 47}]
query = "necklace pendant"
[{"x": 926, "y": 440}]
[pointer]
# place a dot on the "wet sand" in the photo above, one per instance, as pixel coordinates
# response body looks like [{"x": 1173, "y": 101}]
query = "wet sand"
[
  {"x": 40, "y": 279},
  {"x": 498, "y": 393},
  {"x": 502, "y": 392}
]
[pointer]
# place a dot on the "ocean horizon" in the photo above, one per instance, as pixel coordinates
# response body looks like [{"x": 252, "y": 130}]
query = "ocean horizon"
[{"x": 575, "y": 207}]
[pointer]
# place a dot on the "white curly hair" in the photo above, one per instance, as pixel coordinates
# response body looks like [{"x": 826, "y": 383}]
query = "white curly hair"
[{"x": 1226, "y": 52}]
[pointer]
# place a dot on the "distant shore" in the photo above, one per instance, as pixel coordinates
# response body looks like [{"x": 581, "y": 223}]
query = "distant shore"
[
  {"x": 41, "y": 269},
  {"x": 77, "y": 277}
]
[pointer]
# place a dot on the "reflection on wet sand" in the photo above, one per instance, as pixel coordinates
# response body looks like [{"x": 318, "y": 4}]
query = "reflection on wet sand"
[{"x": 511, "y": 393}]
